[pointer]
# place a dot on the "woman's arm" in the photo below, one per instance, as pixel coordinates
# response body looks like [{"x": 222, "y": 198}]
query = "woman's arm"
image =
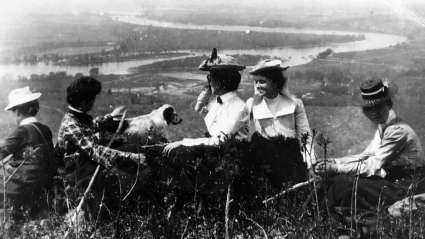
[
  {"x": 14, "y": 141},
  {"x": 202, "y": 100},
  {"x": 78, "y": 138},
  {"x": 355, "y": 158},
  {"x": 393, "y": 141},
  {"x": 238, "y": 118}
]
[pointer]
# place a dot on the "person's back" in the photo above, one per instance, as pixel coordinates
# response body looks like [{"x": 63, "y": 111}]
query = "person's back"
[
  {"x": 28, "y": 149},
  {"x": 35, "y": 174}
]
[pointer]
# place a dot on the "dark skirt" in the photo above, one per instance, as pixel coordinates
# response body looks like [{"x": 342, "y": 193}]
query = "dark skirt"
[
  {"x": 281, "y": 157},
  {"x": 373, "y": 192}
]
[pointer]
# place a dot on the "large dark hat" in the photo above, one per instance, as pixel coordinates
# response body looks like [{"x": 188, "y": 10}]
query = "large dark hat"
[
  {"x": 374, "y": 92},
  {"x": 224, "y": 62},
  {"x": 268, "y": 65}
]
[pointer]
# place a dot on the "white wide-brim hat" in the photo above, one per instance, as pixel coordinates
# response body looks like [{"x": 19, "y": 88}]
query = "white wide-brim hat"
[
  {"x": 268, "y": 65},
  {"x": 21, "y": 96}
]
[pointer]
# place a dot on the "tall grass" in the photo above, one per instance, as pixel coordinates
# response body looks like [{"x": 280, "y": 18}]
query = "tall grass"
[{"x": 193, "y": 196}]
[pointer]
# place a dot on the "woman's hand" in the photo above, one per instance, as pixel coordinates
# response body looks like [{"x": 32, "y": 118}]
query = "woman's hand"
[
  {"x": 167, "y": 150},
  {"x": 329, "y": 169},
  {"x": 312, "y": 174}
]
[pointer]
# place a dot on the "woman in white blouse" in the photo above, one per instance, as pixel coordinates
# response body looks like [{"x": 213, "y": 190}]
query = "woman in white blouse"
[
  {"x": 226, "y": 114},
  {"x": 280, "y": 123}
]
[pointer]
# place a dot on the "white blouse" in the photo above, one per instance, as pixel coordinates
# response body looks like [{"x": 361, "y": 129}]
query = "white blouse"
[
  {"x": 229, "y": 118},
  {"x": 286, "y": 116}
]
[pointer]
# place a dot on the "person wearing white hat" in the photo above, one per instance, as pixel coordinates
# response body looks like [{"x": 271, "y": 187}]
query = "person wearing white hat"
[
  {"x": 280, "y": 122},
  {"x": 29, "y": 146},
  {"x": 384, "y": 172},
  {"x": 226, "y": 114}
]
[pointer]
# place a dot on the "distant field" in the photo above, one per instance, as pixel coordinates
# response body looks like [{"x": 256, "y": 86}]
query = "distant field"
[{"x": 66, "y": 51}]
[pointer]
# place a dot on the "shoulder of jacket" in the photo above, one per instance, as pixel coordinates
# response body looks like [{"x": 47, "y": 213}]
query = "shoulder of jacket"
[{"x": 398, "y": 130}]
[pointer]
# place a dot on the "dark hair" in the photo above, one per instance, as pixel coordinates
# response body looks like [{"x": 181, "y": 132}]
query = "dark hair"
[
  {"x": 229, "y": 79},
  {"x": 274, "y": 76},
  {"x": 389, "y": 103},
  {"x": 28, "y": 109},
  {"x": 82, "y": 89}
]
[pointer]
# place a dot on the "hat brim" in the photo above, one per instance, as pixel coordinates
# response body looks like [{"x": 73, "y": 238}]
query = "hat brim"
[
  {"x": 270, "y": 68},
  {"x": 392, "y": 91},
  {"x": 23, "y": 100},
  {"x": 228, "y": 67}
]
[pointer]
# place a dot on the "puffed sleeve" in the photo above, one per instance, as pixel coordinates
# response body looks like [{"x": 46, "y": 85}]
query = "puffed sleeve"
[
  {"x": 238, "y": 116},
  {"x": 202, "y": 100}
]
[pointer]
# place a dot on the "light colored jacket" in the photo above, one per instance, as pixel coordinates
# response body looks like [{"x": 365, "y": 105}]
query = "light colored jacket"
[
  {"x": 394, "y": 144},
  {"x": 290, "y": 120}
]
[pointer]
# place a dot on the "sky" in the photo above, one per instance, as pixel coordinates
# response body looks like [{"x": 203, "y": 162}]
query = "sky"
[{"x": 14, "y": 10}]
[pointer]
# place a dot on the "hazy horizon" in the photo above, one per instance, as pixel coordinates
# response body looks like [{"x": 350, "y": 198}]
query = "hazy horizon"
[{"x": 13, "y": 11}]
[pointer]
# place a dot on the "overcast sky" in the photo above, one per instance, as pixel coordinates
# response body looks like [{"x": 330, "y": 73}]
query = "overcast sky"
[{"x": 12, "y": 10}]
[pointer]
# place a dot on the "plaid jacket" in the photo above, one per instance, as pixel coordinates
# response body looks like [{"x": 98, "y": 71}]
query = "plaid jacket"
[{"x": 75, "y": 135}]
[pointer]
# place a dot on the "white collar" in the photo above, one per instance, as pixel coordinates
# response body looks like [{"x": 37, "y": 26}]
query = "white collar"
[
  {"x": 72, "y": 108},
  {"x": 260, "y": 109},
  {"x": 28, "y": 120},
  {"x": 228, "y": 96}
]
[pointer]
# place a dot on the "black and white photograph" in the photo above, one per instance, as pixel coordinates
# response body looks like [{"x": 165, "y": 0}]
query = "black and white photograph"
[{"x": 212, "y": 119}]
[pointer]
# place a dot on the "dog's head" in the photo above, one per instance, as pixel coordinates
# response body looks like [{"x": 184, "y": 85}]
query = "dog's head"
[{"x": 170, "y": 114}]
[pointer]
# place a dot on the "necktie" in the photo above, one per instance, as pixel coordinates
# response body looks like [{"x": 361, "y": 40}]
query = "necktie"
[{"x": 219, "y": 100}]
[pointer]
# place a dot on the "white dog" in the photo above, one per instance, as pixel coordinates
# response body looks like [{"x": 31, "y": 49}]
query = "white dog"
[{"x": 151, "y": 128}]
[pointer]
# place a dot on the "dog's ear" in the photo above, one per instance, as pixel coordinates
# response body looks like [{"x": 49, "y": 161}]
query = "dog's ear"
[{"x": 168, "y": 114}]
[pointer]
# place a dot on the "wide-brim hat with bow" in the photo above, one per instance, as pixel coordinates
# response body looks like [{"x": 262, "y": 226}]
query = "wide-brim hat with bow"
[
  {"x": 268, "y": 65},
  {"x": 374, "y": 92},
  {"x": 21, "y": 96},
  {"x": 222, "y": 62}
]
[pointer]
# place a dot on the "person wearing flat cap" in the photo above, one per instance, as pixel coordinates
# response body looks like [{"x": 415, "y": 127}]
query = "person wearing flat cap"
[
  {"x": 280, "y": 122},
  {"x": 27, "y": 156},
  {"x": 226, "y": 113},
  {"x": 390, "y": 164}
]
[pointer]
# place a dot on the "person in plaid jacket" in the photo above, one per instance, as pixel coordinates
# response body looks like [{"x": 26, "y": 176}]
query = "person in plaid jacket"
[{"x": 83, "y": 152}]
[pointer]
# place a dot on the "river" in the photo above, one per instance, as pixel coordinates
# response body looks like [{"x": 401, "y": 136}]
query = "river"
[{"x": 292, "y": 55}]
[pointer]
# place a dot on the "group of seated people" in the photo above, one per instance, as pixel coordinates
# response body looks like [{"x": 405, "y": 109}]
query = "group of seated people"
[{"x": 383, "y": 173}]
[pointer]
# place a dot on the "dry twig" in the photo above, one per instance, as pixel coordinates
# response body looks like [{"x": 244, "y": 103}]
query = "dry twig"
[{"x": 293, "y": 188}]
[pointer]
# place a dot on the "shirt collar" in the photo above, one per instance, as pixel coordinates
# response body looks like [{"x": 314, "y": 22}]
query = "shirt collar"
[
  {"x": 228, "y": 96},
  {"x": 28, "y": 120},
  {"x": 391, "y": 117},
  {"x": 72, "y": 108}
]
